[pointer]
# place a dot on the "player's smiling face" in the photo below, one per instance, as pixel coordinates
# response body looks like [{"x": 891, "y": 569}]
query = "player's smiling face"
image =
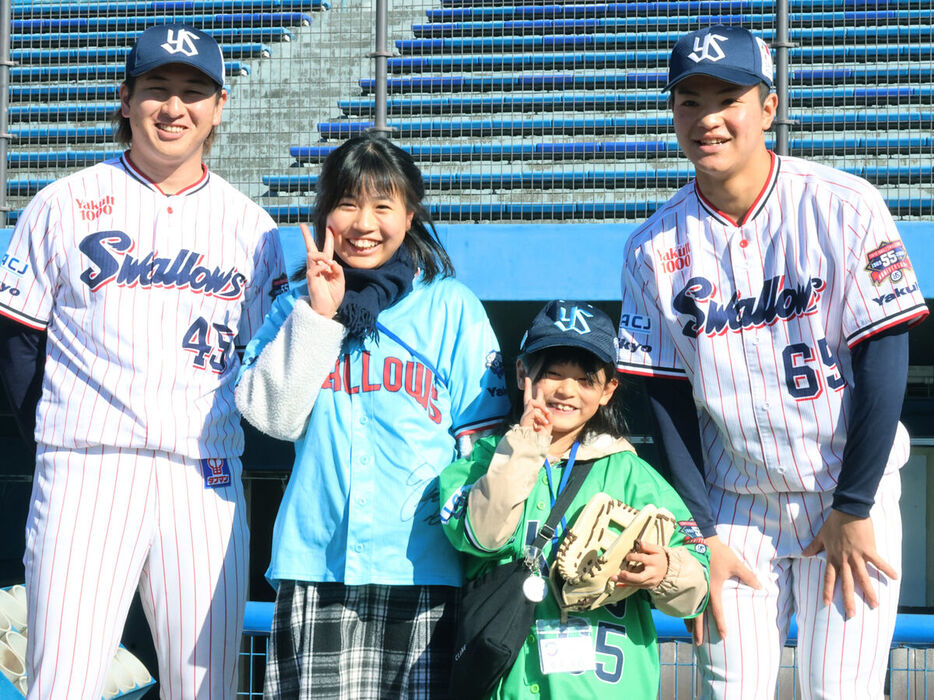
[
  {"x": 369, "y": 227},
  {"x": 720, "y": 126},
  {"x": 171, "y": 110},
  {"x": 572, "y": 396}
]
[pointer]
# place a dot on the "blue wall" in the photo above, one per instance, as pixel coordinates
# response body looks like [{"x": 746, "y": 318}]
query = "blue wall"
[{"x": 524, "y": 262}]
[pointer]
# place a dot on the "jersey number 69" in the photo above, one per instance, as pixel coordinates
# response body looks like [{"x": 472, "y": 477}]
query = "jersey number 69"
[{"x": 802, "y": 380}]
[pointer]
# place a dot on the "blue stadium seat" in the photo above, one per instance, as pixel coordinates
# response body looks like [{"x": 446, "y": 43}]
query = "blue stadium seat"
[
  {"x": 99, "y": 24},
  {"x": 26, "y": 187},
  {"x": 525, "y": 102},
  {"x": 555, "y": 81},
  {"x": 505, "y": 127},
  {"x": 563, "y": 101},
  {"x": 162, "y": 10},
  {"x": 512, "y": 151},
  {"x": 636, "y": 40},
  {"x": 61, "y": 159},
  {"x": 504, "y": 181},
  {"x": 644, "y": 9},
  {"x": 638, "y": 23},
  {"x": 636, "y": 80},
  {"x": 223, "y": 35},
  {"x": 591, "y": 179},
  {"x": 64, "y": 93},
  {"x": 869, "y": 120},
  {"x": 62, "y": 113},
  {"x": 71, "y": 134},
  {"x": 570, "y": 211},
  {"x": 501, "y": 211},
  {"x": 177, "y": 6},
  {"x": 593, "y": 60},
  {"x": 110, "y": 72},
  {"x": 902, "y": 145},
  {"x": 59, "y": 56}
]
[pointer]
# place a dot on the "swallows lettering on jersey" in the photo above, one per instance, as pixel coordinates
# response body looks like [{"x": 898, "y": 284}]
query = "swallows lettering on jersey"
[
  {"x": 412, "y": 377},
  {"x": 108, "y": 252},
  {"x": 775, "y": 301}
]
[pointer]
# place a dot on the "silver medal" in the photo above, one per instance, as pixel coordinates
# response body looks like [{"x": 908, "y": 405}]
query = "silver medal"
[{"x": 534, "y": 588}]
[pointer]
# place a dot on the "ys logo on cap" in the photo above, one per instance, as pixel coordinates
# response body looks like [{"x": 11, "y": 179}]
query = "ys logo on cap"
[
  {"x": 574, "y": 320},
  {"x": 183, "y": 43},
  {"x": 708, "y": 51}
]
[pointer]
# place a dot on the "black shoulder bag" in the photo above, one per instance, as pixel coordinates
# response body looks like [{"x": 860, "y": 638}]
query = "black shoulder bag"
[{"x": 496, "y": 616}]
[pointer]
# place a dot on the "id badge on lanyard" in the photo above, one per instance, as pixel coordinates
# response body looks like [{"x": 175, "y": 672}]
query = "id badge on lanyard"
[{"x": 565, "y": 647}]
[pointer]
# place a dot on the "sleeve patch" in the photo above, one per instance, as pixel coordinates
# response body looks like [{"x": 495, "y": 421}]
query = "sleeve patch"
[
  {"x": 494, "y": 362},
  {"x": 888, "y": 261},
  {"x": 456, "y": 505},
  {"x": 635, "y": 323},
  {"x": 14, "y": 265},
  {"x": 280, "y": 285},
  {"x": 692, "y": 533}
]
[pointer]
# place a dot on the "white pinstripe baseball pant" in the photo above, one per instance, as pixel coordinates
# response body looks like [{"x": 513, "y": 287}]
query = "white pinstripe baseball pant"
[
  {"x": 104, "y": 521},
  {"x": 837, "y": 658}
]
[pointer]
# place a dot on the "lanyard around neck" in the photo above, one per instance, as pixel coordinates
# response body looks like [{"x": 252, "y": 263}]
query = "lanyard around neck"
[{"x": 564, "y": 482}]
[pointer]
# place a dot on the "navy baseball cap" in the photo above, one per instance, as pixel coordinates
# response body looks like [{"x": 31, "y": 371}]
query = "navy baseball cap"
[
  {"x": 572, "y": 324},
  {"x": 176, "y": 43},
  {"x": 732, "y": 54}
]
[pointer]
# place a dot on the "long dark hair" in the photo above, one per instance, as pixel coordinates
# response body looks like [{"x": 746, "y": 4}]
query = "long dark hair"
[
  {"x": 372, "y": 164},
  {"x": 608, "y": 419}
]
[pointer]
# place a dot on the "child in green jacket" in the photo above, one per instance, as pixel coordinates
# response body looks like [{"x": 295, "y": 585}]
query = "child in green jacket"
[{"x": 496, "y": 500}]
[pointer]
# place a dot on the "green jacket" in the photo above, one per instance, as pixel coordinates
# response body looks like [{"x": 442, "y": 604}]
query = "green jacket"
[{"x": 624, "y": 637}]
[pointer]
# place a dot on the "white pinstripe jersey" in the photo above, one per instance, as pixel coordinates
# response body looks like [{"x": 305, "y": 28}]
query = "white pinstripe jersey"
[
  {"x": 761, "y": 317},
  {"x": 143, "y": 296}
]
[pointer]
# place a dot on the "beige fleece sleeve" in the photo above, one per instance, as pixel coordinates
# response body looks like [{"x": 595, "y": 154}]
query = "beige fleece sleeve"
[
  {"x": 684, "y": 587},
  {"x": 495, "y": 502},
  {"x": 278, "y": 392}
]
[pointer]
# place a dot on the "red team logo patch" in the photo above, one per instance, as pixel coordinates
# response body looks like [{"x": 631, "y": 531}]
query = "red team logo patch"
[
  {"x": 888, "y": 260},
  {"x": 216, "y": 473},
  {"x": 91, "y": 210}
]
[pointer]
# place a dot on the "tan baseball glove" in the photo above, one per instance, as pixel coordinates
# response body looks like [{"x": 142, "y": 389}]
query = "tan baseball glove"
[{"x": 595, "y": 547}]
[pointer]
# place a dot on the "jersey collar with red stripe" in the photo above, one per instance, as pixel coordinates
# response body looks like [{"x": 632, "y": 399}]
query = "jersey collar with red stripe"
[
  {"x": 757, "y": 206},
  {"x": 139, "y": 175}
]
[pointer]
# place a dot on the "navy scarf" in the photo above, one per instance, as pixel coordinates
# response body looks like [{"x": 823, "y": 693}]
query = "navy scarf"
[{"x": 367, "y": 292}]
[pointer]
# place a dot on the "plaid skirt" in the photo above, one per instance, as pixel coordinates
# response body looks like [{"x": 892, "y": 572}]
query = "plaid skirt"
[{"x": 329, "y": 641}]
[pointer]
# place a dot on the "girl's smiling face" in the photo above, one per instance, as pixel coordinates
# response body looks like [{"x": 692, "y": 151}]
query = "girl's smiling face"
[
  {"x": 571, "y": 395},
  {"x": 368, "y": 227}
]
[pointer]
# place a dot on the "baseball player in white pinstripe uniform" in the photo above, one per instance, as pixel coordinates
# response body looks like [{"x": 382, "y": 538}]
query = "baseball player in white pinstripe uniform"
[
  {"x": 140, "y": 274},
  {"x": 768, "y": 302}
]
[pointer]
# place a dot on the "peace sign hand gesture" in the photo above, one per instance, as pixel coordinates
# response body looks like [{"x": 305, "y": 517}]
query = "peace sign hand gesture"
[
  {"x": 535, "y": 412},
  {"x": 324, "y": 275}
]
